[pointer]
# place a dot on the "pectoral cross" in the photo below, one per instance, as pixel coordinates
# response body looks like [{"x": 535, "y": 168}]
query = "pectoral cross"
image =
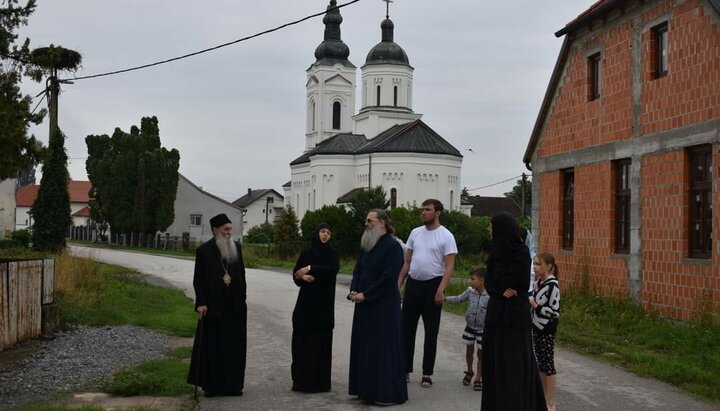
[
  {"x": 387, "y": 7},
  {"x": 227, "y": 279}
]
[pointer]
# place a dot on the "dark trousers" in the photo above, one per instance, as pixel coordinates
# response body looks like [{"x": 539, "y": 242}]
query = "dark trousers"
[{"x": 419, "y": 301}]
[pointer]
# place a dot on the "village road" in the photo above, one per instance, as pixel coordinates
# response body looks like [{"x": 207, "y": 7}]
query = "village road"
[{"x": 583, "y": 383}]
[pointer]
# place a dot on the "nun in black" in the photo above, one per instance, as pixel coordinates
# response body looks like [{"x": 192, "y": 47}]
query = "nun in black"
[
  {"x": 509, "y": 371},
  {"x": 314, "y": 315}
]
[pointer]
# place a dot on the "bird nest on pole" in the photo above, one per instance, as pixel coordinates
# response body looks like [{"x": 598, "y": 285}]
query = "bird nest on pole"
[{"x": 56, "y": 58}]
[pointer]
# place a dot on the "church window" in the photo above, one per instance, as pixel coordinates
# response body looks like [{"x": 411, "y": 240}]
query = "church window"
[
  {"x": 336, "y": 115},
  {"x": 393, "y": 198},
  {"x": 395, "y": 96},
  {"x": 378, "y": 96},
  {"x": 312, "y": 120}
]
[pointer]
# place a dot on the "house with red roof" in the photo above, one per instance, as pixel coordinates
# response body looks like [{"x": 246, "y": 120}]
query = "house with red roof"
[{"x": 79, "y": 199}]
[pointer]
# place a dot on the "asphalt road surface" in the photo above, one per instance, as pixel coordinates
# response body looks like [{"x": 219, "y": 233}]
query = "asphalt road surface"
[{"x": 583, "y": 383}]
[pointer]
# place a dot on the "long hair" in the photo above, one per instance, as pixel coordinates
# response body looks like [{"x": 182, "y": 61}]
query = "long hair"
[
  {"x": 550, "y": 260},
  {"x": 383, "y": 216}
]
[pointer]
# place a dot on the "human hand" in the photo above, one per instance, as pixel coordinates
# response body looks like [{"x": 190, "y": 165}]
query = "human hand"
[
  {"x": 201, "y": 310},
  {"x": 439, "y": 296},
  {"x": 533, "y": 303},
  {"x": 510, "y": 293},
  {"x": 358, "y": 297},
  {"x": 308, "y": 278}
]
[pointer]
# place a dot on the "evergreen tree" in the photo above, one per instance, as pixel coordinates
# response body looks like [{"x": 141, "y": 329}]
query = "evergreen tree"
[
  {"x": 287, "y": 237},
  {"x": 18, "y": 151},
  {"x": 134, "y": 179},
  {"x": 344, "y": 228},
  {"x": 51, "y": 210}
]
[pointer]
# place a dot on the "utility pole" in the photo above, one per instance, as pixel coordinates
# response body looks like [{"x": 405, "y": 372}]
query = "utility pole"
[
  {"x": 53, "y": 85},
  {"x": 522, "y": 193}
]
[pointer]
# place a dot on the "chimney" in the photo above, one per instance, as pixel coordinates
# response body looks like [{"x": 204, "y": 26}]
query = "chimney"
[{"x": 249, "y": 191}]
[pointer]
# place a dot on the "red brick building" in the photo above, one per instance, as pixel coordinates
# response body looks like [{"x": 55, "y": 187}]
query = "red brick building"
[{"x": 625, "y": 154}]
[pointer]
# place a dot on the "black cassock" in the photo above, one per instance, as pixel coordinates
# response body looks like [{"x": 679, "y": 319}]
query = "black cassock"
[
  {"x": 377, "y": 371},
  {"x": 314, "y": 319},
  {"x": 218, "y": 356}
]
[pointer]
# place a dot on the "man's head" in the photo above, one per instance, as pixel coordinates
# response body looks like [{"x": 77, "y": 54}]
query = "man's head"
[
  {"x": 222, "y": 231},
  {"x": 377, "y": 224},
  {"x": 431, "y": 210}
]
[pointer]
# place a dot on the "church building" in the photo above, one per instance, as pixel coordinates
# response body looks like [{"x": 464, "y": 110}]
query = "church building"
[{"x": 384, "y": 144}]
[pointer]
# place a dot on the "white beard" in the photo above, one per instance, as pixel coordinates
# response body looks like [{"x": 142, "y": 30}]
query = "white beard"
[
  {"x": 228, "y": 250},
  {"x": 370, "y": 238}
]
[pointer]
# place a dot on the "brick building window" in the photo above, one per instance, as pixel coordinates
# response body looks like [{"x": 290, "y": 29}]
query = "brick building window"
[
  {"x": 700, "y": 201},
  {"x": 594, "y": 77},
  {"x": 622, "y": 205},
  {"x": 660, "y": 50},
  {"x": 568, "y": 220}
]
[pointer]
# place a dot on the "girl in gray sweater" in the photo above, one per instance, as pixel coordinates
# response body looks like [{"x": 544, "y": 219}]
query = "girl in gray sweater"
[{"x": 477, "y": 299}]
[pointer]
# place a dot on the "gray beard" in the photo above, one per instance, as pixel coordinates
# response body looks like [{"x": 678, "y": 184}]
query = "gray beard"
[
  {"x": 370, "y": 238},
  {"x": 228, "y": 250}
]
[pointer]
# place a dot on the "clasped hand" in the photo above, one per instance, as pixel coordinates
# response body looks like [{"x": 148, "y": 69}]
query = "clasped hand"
[
  {"x": 510, "y": 293},
  {"x": 356, "y": 297},
  {"x": 302, "y": 274}
]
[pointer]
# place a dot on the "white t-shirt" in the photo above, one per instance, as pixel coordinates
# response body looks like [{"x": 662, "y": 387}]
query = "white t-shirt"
[{"x": 429, "y": 248}]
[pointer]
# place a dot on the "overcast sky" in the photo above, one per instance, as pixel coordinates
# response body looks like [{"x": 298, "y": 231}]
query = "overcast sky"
[{"x": 237, "y": 115}]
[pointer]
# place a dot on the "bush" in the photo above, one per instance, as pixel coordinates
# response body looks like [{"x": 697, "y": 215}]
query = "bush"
[
  {"x": 405, "y": 220},
  {"x": 287, "y": 236},
  {"x": 344, "y": 229},
  {"x": 8, "y": 244},
  {"x": 470, "y": 233},
  {"x": 261, "y": 234},
  {"x": 23, "y": 236}
]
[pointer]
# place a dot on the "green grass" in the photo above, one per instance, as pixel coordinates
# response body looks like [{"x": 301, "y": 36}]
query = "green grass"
[
  {"x": 120, "y": 296},
  {"x": 165, "y": 377},
  {"x": 149, "y": 250},
  {"x": 42, "y": 407},
  {"x": 620, "y": 332}
]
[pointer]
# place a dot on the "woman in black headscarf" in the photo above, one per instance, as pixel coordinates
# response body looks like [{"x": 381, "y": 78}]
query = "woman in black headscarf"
[
  {"x": 314, "y": 315},
  {"x": 510, "y": 375}
]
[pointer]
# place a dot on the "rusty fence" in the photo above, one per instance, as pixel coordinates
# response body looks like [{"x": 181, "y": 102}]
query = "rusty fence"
[{"x": 26, "y": 286}]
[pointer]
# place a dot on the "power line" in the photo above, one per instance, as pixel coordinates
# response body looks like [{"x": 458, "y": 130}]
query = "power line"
[
  {"x": 494, "y": 184},
  {"x": 157, "y": 63},
  {"x": 44, "y": 94}
]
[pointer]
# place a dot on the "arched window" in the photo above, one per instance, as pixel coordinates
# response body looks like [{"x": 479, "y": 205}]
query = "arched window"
[
  {"x": 395, "y": 96},
  {"x": 312, "y": 120},
  {"x": 336, "y": 115},
  {"x": 393, "y": 198},
  {"x": 452, "y": 200},
  {"x": 378, "y": 96}
]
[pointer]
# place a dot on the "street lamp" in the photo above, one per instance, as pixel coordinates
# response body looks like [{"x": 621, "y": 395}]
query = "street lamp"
[{"x": 268, "y": 200}]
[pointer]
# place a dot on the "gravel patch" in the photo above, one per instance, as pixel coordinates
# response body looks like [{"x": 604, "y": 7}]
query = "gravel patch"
[{"x": 74, "y": 360}]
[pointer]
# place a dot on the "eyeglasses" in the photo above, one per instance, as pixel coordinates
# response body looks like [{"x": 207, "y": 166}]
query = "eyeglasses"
[{"x": 370, "y": 220}]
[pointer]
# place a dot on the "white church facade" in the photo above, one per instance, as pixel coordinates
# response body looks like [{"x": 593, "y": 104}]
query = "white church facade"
[{"x": 384, "y": 144}]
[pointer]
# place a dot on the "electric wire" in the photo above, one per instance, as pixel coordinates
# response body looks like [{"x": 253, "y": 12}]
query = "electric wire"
[
  {"x": 494, "y": 184},
  {"x": 157, "y": 63}
]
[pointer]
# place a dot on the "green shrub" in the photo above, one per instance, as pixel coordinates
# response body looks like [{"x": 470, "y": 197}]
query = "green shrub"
[
  {"x": 261, "y": 234},
  {"x": 8, "y": 244},
  {"x": 344, "y": 229},
  {"x": 23, "y": 236}
]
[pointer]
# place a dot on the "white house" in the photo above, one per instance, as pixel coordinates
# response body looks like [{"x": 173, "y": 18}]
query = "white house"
[
  {"x": 261, "y": 206},
  {"x": 194, "y": 208},
  {"x": 79, "y": 198},
  {"x": 7, "y": 207},
  {"x": 385, "y": 144}
]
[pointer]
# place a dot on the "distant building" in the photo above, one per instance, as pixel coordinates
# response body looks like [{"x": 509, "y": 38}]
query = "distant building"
[
  {"x": 7, "y": 207},
  {"x": 194, "y": 207},
  {"x": 625, "y": 154},
  {"x": 261, "y": 206},
  {"x": 384, "y": 144},
  {"x": 79, "y": 198}
]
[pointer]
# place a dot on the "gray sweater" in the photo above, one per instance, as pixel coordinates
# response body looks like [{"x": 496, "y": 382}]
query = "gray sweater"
[{"x": 477, "y": 306}]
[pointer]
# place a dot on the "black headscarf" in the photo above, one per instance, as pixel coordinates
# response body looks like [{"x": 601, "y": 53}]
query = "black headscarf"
[
  {"x": 317, "y": 247},
  {"x": 505, "y": 235}
]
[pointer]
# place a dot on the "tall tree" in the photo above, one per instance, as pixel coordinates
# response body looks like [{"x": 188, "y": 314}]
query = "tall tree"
[
  {"x": 18, "y": 151},
  {"x": 51, "y": 210},
  {"x": 134, "y": 178},
  {"x": 287, "y": 233},
  {"x": 523, "y": 185}
]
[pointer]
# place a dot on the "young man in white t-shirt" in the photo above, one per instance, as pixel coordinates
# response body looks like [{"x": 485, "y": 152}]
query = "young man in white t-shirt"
[{"x": 429, "y": 264}]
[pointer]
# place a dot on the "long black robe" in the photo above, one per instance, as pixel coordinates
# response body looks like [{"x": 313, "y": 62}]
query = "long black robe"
[
  {"x": 511, "y": 381},
  {"x": 314, "y": 319},
  {"x": 377, "y": 370},
  {"x": 219, "y": 350}
]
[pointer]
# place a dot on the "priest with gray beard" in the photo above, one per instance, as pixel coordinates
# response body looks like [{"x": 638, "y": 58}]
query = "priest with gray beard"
[
  {"x": 218, "y": 356},
  {"x": 377, "y": 370}
]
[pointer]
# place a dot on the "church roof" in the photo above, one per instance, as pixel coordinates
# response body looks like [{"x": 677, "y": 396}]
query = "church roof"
[
  {"x": 344, "y": 143},
  {"x": 332, "y": 50},
  {"x": 413, "y": 137}
]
